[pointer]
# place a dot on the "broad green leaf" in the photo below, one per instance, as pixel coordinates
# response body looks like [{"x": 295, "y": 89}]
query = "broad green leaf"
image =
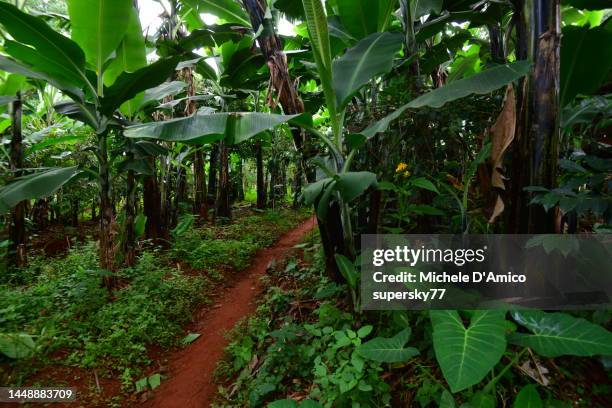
[
  {"x": 17, "y": 345},
  {"x": 420, "y": 8},
  {"x": 347, "y": 269},
  {"x": 98, "y": 26},
  {"x": 161, "y": 91},
  {"x": 425, "y": 184},
  {"x": 9, "y": 65},
  {"x": 130, "y": 84},
  {"x": 314, "y": 190},
  {"x": 352, "y": 184},
  {"x": 65, "y": 58},
  {"x": 139, "y": 225},
  {"x": 318, "y": 33},
  {"x": 481, "y": 83},
  {"x": 36, "y": 185},
  {"x": 359, "y": 17},
  {"x": 141, "y": 384},
  {"x": 370, "y": 57},
  {"x": 585, "y": 64},
  {"x": 528, "y": 397},
  {"x": 207, "y": 128},
  {"x": 447, "y": 400},
  {"x": 389, "y": 350},
  {"x": 131, "y": 56},
  {"x": 466, "y": 355},
  {"x": 480, "y": 400},
  {"x": 558, "y": 334},
  {"x": 227, "y": 10}
]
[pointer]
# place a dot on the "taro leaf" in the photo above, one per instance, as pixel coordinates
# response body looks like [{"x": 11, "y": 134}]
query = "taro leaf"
[
  {"x": 17, "y": 345},
  {"x": 528, "y": 397},
  {"x": 557, "y": 334},
  {"x": 369, "y": 57},
  {"x": 466, "y": 355},
  {"x": 190, "y": 338},
  {"x": 37, "y": 185},
  {"x": 585, "y": 64},
  {"x": 482, "y": 83},
  {"x": 389, "y": 350}
]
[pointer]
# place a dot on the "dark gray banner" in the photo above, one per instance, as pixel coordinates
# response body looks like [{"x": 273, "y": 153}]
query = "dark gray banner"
[{"x": 486, "y": 271}]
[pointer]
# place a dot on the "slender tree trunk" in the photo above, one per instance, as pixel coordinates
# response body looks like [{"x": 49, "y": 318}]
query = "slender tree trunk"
[
  {"x": 223, "y": 203},
  {"x": 130, "y": 218},
  {"x": 74, "y": 210},
  {"x": 538, "y": 133},
  {"x": 107, "y": 252},
  {"x": 200, "y": 205},
  {"x": 152, "y": 206},
  {"x": 261, "y": 182},
  {"x": 240, "y": 180},
  {"x": 212, "y": 174},
  {"x": 94, "y": 217},
  {"x": 17, "y": 230}
]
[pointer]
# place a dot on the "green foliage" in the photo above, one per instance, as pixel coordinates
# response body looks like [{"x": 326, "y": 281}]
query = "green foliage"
[
  {"x": 40, "y": 184},
  {"x": 466, "y": 355},
  {"x": 357, "y": 66},
  {"x": 389, "y": 350},
  {"x": 557, "y": 334}
]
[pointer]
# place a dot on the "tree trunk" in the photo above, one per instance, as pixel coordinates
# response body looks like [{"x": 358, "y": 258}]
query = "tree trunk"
[
  {"x": 152, "y": 206},
  {"x": 538, "y": 133},
  {"x": 223, "y": 203},
  {"x": 17, "y": 228},
  {"x": 107, "y": 253},
  {"x": 200, "y": 205},
  {"x": 130, "y": 217},
  {"x": 212, "y": 174},
  {"x": 261, "y": 183},
  {"x": 74, "y": 210}
]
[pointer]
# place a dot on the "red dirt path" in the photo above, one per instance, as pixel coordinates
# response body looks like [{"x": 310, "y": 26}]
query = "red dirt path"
[{"x": 190, "y": 383}]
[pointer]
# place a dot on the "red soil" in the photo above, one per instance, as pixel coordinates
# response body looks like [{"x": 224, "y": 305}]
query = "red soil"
[{"x": 190, "y": 383}]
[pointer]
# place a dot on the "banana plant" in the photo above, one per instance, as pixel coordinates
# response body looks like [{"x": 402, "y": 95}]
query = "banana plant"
[
  {"x": 86, "y": 68},
  {"x": 340, "y": 79}
]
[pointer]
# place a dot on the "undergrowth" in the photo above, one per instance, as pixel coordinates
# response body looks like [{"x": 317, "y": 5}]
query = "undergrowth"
[
  {"x": 305, "y": 344},
  {"x": 61, "y": 314}
]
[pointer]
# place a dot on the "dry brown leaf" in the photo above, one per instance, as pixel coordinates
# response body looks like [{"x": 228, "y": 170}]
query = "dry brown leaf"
[
  {"x": 502, "y": 134},
  {"x": 497, "y": 210}
]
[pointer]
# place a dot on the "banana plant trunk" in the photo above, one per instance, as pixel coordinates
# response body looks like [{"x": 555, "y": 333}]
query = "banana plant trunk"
[
  {"x": 212, "y": 174},
  {"x": 538, "y": 132},
  {"x": 130, "y": 218},
  {"x": 17, "y": 229},
  {"x": 200, "y": 205},
  {"x": 152, "y": 205},
  {"x": 261, "y": 182},
  {"x": 107, "y": 253},
  {"x": 223, "y": 203}
]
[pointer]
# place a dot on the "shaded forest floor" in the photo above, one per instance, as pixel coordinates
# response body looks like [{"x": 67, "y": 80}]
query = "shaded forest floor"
[{"x": 115, "y": 348}]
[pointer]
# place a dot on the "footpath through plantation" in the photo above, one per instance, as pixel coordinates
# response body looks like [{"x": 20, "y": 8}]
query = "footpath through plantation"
[{"x": 306, "y": 203}]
